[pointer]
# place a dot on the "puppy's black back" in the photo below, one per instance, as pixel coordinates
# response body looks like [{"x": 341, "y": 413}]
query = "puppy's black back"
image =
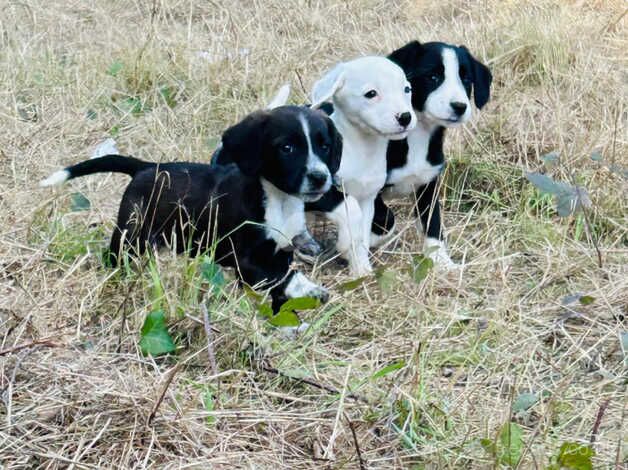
[{"x": 191, "y": 205}]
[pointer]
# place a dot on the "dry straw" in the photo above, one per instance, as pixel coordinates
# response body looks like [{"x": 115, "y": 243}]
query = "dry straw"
[{"x": 164, "y": 78}]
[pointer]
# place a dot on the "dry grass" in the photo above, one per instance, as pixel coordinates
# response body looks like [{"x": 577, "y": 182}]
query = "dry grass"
[{"x": 80, "y": 397}]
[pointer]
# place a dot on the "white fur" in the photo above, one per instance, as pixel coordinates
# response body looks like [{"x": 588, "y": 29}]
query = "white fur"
[
  {"x": 438, "y": 103},
  {"x": 417, "y": 171},
  {"x": 351, "y": 246},
  {"x": 284, "y": 215},
  {"x": 281, "y": 98},
  {"x": 301, "y": 286},
  {"x": 347, "y": 83},
  {"x": 313, "y": 163},
  {"x": 437, "y": 250},
  {"x": 57, "y": 177},
  {"x": 366, "y": 126}
]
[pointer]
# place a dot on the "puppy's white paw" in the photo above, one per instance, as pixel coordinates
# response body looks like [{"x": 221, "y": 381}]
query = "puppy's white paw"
[
  {"x": 437, "y": 251},
  {"x": 301, "y": 286},
  {"x": 293, "y": 332},
  {"x": 359, "y": 264}
]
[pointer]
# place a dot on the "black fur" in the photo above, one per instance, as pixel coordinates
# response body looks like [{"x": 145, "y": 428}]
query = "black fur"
[{"x": 193, "y": 205}]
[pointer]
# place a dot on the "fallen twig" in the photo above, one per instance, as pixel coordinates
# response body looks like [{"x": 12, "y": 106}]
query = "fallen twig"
[
  {"x": 313, "y": 383},
  {"x": 355, "y": 442},
  {"x": 598, "y": 420},
  {"x": 36, "y": 342},
  {"x": 162, "y": 393}
]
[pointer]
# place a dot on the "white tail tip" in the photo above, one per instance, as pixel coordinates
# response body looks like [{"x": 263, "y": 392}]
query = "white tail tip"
[
  {"x": 281, "y": 98},
  {"x": 57, "y": 177}
]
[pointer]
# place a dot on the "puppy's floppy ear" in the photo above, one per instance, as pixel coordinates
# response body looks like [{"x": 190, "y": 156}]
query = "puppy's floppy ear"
[
  {"x": 243, "y": 142},
  {"x": 324, "y": 89},
  {"x": 281, "y": 98},
  {"x": 406, "y": 56},
  {"x": 335, "y": 152},
  {"x": 482, "y": 80}
]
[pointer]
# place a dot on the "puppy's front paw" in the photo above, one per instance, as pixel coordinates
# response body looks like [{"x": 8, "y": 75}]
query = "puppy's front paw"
[
  {"x": 437, "y": 251},
  {"x": 301, "y": 286},
  {"x": 293, "y": 332},
  {"x": 359, "y": 264},
  {"x": 306, "y": 245},
  {"x": 320, "y": 293}
]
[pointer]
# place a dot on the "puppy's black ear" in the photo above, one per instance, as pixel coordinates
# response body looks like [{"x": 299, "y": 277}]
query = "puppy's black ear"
[
  {"x": 243, "y": 143},
  {"x": 335, "y": 152},
  {"x": 482, "y": 80},
  {"x": 407, "y": 56}
]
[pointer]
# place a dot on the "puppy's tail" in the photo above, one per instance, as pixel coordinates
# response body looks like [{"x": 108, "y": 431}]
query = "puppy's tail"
[{"x": 107, "y": 164}]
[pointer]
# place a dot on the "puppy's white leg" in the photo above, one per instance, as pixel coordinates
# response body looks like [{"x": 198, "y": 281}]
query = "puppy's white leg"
[
  {"x": 301, "y": 286},
  {"x": 351, "y": 245},
  {"x": 437, "y": 250}
]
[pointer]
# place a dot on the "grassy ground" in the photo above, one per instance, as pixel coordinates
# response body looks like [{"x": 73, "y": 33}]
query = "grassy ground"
[{"x": 397, "y": 373}]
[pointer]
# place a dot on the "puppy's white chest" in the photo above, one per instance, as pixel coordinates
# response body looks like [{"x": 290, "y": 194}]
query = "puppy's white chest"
[
  {"x": 362, "y": 176},
  {"x": 284, "y": 216},
  {"x": 417, "y": 171}
]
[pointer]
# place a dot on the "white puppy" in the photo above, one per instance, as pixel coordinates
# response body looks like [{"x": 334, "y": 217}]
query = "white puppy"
[{"x": 371, "y": 100}]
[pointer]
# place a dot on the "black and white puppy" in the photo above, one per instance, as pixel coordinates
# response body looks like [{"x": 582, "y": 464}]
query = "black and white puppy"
[
  {"x": 443, "y": 77},
  {"x": 250, "y": 209}
]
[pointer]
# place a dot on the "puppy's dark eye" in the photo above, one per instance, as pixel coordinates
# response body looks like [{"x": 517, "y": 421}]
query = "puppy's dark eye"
[
  {"x": 435, "y": 78},
  {"x": 407, "y": 89},
  {"x": 370, "y": 94},
  {"x": 325, "y": 148},
  {"x": 287, "y": 149}
]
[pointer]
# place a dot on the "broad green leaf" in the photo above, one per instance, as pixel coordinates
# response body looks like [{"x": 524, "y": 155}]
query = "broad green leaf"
[
  {"x": 489, "y": 446},
  {"x": 115, "y": 68},
  {"x": 575, "y": 456},
  {"x": 213, "y": 274},
  {"x": 565, "y": 204},
  {"x": 511, "y": 444},
  {"x": 550, "y": 158},
  {"x": 385, "y": 279},
  {"x": 299, "y": 303},
  {"x": 265, "y": 310},
  {"x": 388, "y": 369},
  {"x": 586, "y": 300},
  {"x": 167, "y": 93},
  {"x": 154, "y": 336},
  {"x": 421, "y": 266},
  {"x": 133, "y": 105},
  {"x": 524, "y": 401},
  {"x": 354, "y": 284},
  {"x": 543, "y": 182},
  {"x": 596, "y": 156},
  {"x": 284, "y": 318},
  {"x": 79, "y": 202}
]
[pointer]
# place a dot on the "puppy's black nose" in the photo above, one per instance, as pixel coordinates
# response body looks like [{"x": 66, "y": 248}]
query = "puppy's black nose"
[
  {"x": 317, "y": 178},
  {"x": 404, "y": 119},
  {"x": 458, "y": 107}
]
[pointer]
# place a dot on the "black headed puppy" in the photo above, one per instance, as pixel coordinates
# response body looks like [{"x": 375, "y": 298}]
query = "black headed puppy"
[
  {"x": 443, "y": 79},
  {"x": 248, "y": 211}
]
